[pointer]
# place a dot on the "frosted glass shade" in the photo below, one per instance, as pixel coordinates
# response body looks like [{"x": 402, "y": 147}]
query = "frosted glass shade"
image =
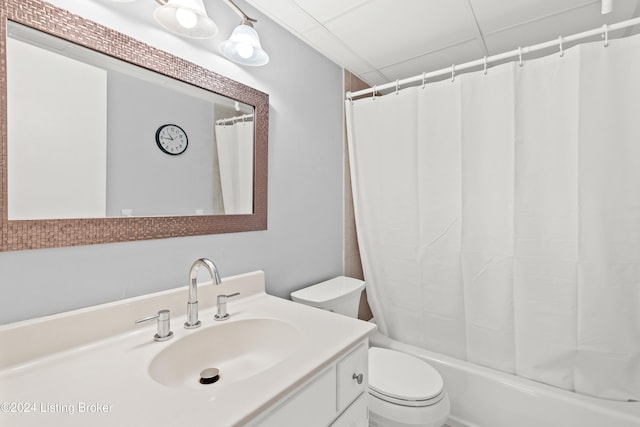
[
  {"x": 244, "y": 47},
  {"x": 186, "y": 18}
]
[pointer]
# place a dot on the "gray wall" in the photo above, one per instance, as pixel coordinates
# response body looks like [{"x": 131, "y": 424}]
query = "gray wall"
[{"x": 303, "y": 243}]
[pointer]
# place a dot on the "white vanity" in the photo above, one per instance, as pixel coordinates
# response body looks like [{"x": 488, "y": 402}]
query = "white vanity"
[
  {"x": 280, "y": 364},
  {"x": 336, "y": 397}
]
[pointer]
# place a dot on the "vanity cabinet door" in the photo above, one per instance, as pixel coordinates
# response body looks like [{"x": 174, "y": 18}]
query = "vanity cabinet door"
[
  {"x": 353, "y": 376},
  {"x": 311, "y": 406},
  {"x": 357, "y": 415}
]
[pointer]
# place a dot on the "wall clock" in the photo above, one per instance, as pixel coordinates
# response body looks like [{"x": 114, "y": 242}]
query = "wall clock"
[{"x": 172, "y": 139}]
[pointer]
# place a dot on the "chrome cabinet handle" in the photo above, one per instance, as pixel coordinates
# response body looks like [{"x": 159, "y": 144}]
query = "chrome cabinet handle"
[{"x": 358, "y": 378}]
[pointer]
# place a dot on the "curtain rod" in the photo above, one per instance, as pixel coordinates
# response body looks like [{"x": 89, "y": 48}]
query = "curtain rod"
[
  {"x": 234, "y": 119},
  {"x": 604, "y": 30}
]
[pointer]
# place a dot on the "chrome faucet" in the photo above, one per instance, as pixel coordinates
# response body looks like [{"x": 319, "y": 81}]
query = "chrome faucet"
[{"x": 192, "y": 305}]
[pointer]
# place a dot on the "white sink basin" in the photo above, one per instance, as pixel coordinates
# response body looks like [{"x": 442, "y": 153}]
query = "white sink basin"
[{"x": 238, "y": 349}]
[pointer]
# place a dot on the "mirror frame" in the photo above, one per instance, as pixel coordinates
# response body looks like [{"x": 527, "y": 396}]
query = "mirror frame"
[{"x": 37, "y": 234}]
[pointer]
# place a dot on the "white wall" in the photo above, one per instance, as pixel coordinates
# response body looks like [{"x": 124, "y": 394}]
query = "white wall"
[{"x": 303, "y": 243}]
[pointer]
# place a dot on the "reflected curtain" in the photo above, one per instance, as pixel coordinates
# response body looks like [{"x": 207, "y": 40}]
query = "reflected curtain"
[
  {"x": 235, "y": 158},
  {"x": 498, "y": 216}
]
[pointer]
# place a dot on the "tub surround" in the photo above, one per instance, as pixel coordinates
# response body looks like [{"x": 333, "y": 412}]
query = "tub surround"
[{"x": 91, "y": 365}]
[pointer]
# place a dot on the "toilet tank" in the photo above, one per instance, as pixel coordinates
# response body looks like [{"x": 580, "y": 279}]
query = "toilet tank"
[{"x": 340, "y": 294}]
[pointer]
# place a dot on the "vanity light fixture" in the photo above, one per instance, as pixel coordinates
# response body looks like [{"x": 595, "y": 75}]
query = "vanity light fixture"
[
  {"x": 243, "y": 47},
  {"x": 189, "y": 18},
  {"x": 185, "y": 17}
]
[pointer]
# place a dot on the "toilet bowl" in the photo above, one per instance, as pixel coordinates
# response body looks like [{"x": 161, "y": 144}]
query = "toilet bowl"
[{"x": 404, "y": 391}]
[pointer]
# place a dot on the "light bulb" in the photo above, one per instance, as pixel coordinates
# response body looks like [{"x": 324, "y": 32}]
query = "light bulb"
[
  {"x": 245, "y": 50},
  {"x": 243, "y": 47},
  {"x": 186, "y": 18}
]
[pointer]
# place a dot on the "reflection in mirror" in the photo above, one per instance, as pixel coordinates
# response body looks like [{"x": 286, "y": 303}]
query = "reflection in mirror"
[
  {"x": 91, "y": 136},
  {"x": 177, "y": 179},
  {"x": 234, "y": 140}
]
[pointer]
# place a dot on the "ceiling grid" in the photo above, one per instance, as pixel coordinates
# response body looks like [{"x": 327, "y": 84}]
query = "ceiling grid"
[{"x": 380, "y": 42}]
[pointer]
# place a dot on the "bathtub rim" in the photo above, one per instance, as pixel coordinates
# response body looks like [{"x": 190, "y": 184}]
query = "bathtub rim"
[{"x": 628, "y": 412}]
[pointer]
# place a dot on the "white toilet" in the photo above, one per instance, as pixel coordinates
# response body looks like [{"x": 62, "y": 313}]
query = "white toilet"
[{"x": 404, "y": 390}]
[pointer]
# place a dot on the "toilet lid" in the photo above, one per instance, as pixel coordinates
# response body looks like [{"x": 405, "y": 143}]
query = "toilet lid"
[
  {"x": 400, "y": 376},
  {"x": 330, "y": 291}
]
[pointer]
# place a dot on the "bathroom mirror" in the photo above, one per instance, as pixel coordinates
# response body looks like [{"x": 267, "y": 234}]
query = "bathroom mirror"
[{"x": 140, "y": 169}]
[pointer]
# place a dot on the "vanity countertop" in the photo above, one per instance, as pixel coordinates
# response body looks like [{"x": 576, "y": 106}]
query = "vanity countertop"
[{"x": 91, "y": 366}]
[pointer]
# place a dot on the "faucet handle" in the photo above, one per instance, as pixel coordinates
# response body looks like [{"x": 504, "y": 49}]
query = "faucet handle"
[
  {"x": 222, "y": 306},
  {"x": 164, "y": 328}
]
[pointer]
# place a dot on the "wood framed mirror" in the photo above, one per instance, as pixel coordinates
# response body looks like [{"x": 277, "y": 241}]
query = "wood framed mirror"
[{"x": 21, "y": 233}]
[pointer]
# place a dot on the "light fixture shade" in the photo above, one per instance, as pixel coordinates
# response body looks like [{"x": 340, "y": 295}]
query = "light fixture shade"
[
  {"x": 244, "y": 47},
  {"x": 187, "y": 18}
]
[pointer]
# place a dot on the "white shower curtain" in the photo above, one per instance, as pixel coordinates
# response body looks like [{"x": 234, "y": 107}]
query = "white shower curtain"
[
  {"x": 498, "y": 216},
  {"x": 235, "y": 159}
]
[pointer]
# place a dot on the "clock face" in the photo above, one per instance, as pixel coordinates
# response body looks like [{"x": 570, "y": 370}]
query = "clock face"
[{"x": 171, "y": 139}]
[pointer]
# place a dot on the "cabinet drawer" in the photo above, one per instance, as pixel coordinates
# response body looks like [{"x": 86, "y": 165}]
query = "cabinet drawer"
[{"x": 353, "y": 377}]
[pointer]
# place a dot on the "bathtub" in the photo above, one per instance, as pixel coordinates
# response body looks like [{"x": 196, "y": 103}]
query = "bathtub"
[{"x": 483, "y": 397}]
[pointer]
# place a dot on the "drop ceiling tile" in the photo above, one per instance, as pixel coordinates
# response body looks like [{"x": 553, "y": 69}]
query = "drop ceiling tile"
[
  {"x": 373, "y": 78},
  {"x": 437, "y": 60},
  {"x": 325, "y": 10},
  {"x": 286, "y": 13},
  {"x": 551, "y": 27},
  {"x": 327, "y": 44},
  {"x": 383, "y": 33},
  {"x": 494, "y": 15}
]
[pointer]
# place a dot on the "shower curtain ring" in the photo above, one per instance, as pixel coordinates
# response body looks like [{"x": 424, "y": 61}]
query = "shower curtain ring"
[
  {"x": 485, "y": 65},
  {"x": 561, "y": 49},
  {"x": 520, "y": 56},
  {"x": 424, "y": 83},
  {"x": 605, "y": 29},
  {"x": 453, "y": 73},
  {"x": 397, "y": 84}
]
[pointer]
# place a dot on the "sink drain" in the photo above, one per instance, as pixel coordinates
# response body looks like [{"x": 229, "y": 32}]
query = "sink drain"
[{"x": 209, "y": 376}]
